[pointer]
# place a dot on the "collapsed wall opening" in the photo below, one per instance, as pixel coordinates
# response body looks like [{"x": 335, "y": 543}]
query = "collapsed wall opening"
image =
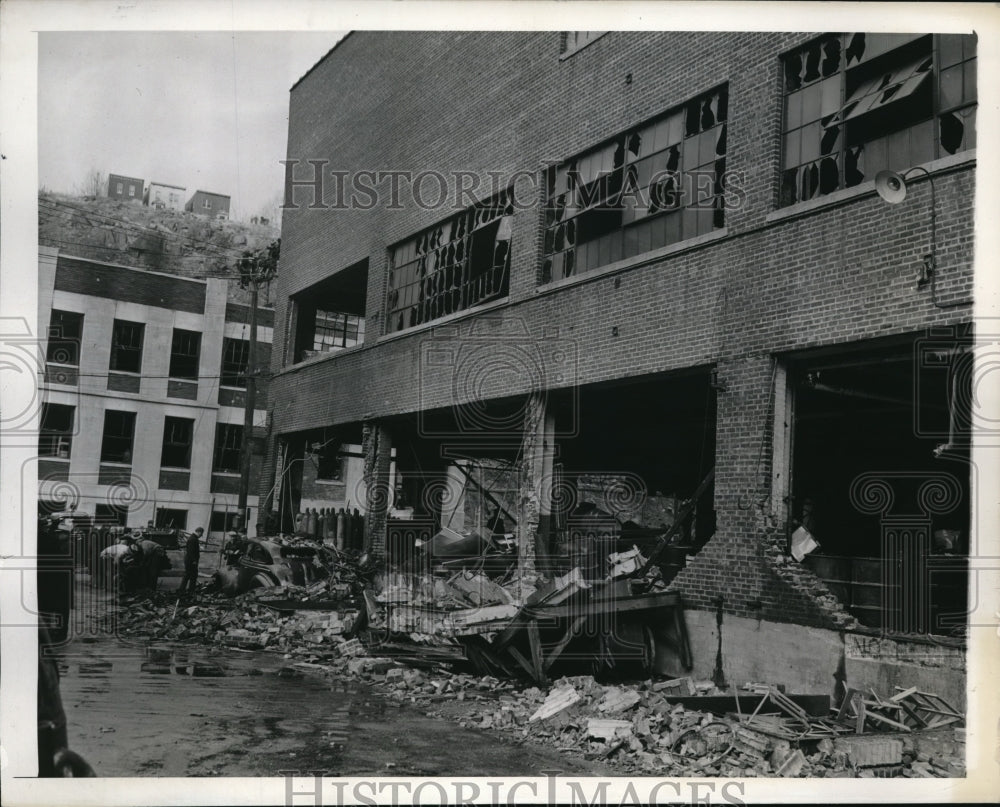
[
  {"x": 319, "y": 476},
  {"x": 880, "y": 477},
  {"x": 634, "y": 455}
]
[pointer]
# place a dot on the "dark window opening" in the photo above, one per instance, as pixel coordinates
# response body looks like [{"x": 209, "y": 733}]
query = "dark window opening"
[
  {"x": 56, "y": 432},
  {"x": 184, "y": 351},
  {"x": 330, "y": 315},
  {"x": 177, "y": 437},
  {"x": 222, "y": 521},
  {"x": 171, "y": 519},
  {"x": 454, "y": 266},
  {"x": 652, "y": 186},
  {"x": 856, "y": 104},
  {"x": 119, "y": 431},
  {"x": 110, "y": 515},
  {"x": 880, "y": 479},
  {"x": 126, "y": 346},
  {"x": 235, "y": 360},
  {"x": 65, "y": 331},
  {"x": 330, "y": 463},
  {"x": 228, "y": 445}
]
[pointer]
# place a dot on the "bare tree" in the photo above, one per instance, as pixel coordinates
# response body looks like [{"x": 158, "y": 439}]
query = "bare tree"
[{"x": 95, "y": 183}]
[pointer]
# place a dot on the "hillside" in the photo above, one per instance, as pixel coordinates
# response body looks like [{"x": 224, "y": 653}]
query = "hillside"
[{"x": 168, "y": 241}]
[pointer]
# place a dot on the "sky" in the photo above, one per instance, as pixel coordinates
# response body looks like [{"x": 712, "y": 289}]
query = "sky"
[{"x": 205, "y": 111}]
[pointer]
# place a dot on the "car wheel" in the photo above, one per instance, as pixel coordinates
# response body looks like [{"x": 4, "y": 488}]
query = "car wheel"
[{"x": 262, "y": 580}]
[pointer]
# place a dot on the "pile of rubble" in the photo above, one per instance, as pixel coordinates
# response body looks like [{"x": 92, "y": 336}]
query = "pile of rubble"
[{"x": 639, "y": 730}]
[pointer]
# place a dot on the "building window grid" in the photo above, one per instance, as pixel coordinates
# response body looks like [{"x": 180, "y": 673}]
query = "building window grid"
[
  {"x": 453, "y": 266},
  {"x": 834, "y": 82},
  {"x": 335, "y": 330},
  {"x": 235, "y": 360},
  {"x": 228, "y": 445},
  {"x": 184, "y": 350},
  {"x": 55, "y": 437},
  {"x": 651, "y": 186},
  {"x": 177, "y": 439},
  {"x": 119, "y": 432},
  {"x": 126, "y": 346}
]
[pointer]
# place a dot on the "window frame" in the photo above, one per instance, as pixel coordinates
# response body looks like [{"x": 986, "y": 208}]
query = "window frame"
[
  {"x": 851, "y": 135},
  {"x": 618, "y": 189},
  {"x": 126, "y": 417},
  {"x": 52, "y": 439},
  {"x": 431, "y": 274},
  {"x": 177, "y": 358},
  {"x": 234, "y": 370},
  {"x": 58, "y": 340},
  {"x": 222, "y": 447},
  {"x": 178, "y": 436},
  {"x": 124, "y": 325},
  {"x": 322, "y": 328}
]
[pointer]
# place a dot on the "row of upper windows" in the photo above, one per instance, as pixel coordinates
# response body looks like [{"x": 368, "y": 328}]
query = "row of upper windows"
[
  {"x": 853, "y": 105},
  {"x": 66, "y": 330},
  {"x": 117, "y": 440}
]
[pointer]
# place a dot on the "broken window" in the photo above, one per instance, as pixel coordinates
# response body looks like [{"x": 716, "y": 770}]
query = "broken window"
[
  {"x": 56, "y": 434},
  {"x": 228, "y": 446},
  {"x": 235, "y": 359},
  {"x": 330, "y": 315},
  {"x": 65, "y": 330},
  {"x": 651, "y": 186},
  {"x": 856, "y": 104},
  {"x": 126, "y": 346},
  {"x": 454, "y": 266},
  {"x": 119, "y": 430},
  {"x": 170, "y": 519},
  {"x": 177, "y": 434},
  {"x": 184, "y": 350}
]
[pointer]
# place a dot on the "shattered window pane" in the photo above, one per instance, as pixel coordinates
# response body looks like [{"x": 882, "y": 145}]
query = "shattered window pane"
[
  {"x": 857, "y": 103},
  {"x": 630, "y": 191},
  {"x": 462, "y": 262}
]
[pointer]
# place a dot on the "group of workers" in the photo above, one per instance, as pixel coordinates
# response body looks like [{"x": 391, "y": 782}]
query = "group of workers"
[{"x": 135, "y": 563}]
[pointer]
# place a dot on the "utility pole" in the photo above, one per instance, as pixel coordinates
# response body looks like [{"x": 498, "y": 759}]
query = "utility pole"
[{"x": 255, "y": 268}]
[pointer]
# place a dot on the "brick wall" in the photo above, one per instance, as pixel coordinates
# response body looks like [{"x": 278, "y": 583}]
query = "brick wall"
[{"x": 773, "y": 281}]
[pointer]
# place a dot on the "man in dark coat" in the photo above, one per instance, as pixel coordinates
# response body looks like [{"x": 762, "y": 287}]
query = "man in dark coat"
[{"x": 192, "y": 554}]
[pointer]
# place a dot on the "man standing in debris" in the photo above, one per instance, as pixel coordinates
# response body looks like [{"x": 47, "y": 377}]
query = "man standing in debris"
[
  {"x": 192, "y": 554},
  {"x": 154, "y": 560}
]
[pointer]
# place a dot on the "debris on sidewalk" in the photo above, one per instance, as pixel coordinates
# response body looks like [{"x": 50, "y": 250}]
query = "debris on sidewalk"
[{"x": 682, "y": 726}]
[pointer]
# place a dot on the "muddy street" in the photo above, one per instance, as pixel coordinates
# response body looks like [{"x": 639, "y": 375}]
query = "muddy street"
[{"x": 158, "y": 710}]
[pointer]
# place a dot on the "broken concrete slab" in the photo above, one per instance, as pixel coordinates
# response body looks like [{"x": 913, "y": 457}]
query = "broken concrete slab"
[{"x": 558, "y": 700}]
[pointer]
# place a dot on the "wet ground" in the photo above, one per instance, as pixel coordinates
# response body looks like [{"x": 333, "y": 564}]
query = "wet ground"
[{"x": 136, "y": 709}]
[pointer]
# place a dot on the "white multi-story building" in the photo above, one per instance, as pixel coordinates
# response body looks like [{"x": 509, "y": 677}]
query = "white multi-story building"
[{"x": 144, "y": 394}]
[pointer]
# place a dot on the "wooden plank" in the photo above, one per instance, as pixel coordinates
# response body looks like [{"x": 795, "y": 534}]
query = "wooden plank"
[
  {"x": 903, "y": 695},
  {"x": 520, "y": 659},
  {"x": 571, "y": 631},
  {"x": 883, "y": 719},
  {"x": 537, "y": 656},
  {"x": 846, "y": 710},
  {"x": 859, "y": 723},
  {"x": 912, "y": 714}
]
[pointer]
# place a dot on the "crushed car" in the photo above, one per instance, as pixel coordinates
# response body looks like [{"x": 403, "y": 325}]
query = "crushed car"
[{"x": 267, "y": 562}]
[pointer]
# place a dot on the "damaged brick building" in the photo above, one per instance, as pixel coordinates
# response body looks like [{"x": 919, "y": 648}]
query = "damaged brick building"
[{"x": 598, "y": 268}]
